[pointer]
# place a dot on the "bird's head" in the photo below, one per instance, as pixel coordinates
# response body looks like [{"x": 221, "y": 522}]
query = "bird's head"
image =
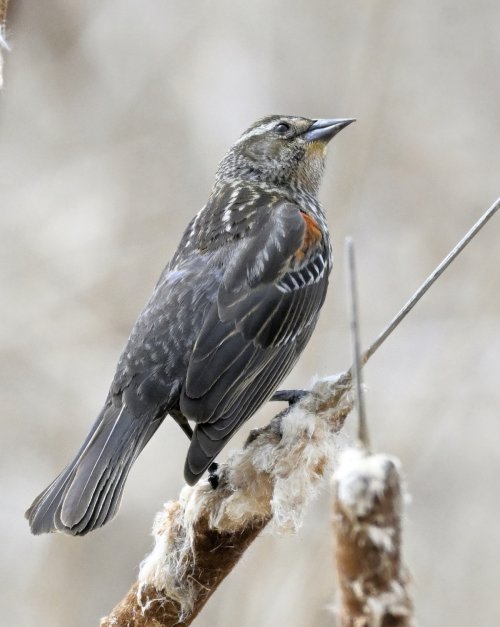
[{"x": 281, "y": 150}]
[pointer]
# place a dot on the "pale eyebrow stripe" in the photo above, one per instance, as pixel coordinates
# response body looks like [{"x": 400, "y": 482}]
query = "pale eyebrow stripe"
[{"x": 259, "y": 130}]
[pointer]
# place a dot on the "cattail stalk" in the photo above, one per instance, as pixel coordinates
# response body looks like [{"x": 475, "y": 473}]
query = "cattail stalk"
[{"x": 367, "y": 514}]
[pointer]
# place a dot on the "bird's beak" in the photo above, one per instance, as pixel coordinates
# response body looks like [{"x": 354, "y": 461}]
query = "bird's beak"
[{"x": 324, "y": 130}]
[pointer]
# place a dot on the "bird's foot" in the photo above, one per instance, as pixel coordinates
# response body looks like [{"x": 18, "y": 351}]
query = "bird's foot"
[
  {"x": 213, "y": 477},
  {"x": 290, "y": 396}
]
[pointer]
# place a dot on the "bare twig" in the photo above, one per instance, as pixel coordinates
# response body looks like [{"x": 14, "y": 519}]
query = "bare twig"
[
  {"x": 453, "y": 254},
  {"x": 363, "y": 434},
  {"x": 367, "y": 511}
]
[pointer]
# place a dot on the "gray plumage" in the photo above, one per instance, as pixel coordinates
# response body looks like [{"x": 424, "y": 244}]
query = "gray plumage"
[{"x": 227, "y": 321}]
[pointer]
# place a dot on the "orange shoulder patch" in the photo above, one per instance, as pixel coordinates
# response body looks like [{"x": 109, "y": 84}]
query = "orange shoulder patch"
[{"x": 312, "y": 236}]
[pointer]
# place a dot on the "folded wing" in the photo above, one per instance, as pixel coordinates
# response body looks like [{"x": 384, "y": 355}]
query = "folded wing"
[{"x": 265, "y": 312}]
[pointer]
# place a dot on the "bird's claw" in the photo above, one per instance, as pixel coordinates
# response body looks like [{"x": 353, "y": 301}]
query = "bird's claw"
[
  {"x": 290, "y": 396},
  {"x": 213, "y": 477}
]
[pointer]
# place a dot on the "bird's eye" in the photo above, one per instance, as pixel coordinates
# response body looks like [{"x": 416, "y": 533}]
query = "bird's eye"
[{"x": 282, "y": 128}]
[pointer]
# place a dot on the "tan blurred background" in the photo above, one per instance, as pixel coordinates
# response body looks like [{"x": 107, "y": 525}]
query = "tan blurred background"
[{"x": 112, "y": 120}]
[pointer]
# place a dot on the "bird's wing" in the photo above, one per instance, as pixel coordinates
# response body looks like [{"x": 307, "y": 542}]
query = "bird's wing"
[{"x": 266, "y": 307}]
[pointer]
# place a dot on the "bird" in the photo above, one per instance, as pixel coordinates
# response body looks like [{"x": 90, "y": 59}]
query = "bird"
[{"x": 227, "y": 320}]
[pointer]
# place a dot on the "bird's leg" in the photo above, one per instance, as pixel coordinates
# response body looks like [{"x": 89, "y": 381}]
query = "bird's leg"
[
  {"x": 182, "y": 421},
  {"x": 290, "y": 396},
  {"x": 213, "y": 477}
]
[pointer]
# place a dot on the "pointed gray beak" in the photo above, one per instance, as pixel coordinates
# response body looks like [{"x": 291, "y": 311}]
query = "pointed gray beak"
[{"x": 324, "y": 130}]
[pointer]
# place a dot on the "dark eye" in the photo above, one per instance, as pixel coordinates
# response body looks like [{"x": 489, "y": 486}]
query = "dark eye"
[{"x": 282, "y": 128}]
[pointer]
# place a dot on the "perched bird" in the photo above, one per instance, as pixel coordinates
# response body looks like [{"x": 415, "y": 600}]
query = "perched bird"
[{"x": 227, "y": 320}]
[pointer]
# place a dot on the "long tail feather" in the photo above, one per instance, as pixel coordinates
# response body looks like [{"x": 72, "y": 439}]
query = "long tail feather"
[{"x": 88, "y": 491}]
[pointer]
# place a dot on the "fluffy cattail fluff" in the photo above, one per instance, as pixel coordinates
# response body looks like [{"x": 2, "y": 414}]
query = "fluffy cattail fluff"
[{"x": 367, "y": 527}]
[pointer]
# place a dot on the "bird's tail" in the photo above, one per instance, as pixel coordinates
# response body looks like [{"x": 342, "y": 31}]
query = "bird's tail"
[{"x": 88, "y": 491}]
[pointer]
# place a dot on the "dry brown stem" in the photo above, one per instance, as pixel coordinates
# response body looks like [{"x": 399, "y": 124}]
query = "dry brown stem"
[
  {"x": 200, "y": 537},
  {"x": 367, "y": 527},
  {"x": 367, "y": 514},
  {"x": 214, "y": 556}
]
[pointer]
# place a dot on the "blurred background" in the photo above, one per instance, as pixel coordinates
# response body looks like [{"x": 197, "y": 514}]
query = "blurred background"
[{"x": 113, "y": 117}]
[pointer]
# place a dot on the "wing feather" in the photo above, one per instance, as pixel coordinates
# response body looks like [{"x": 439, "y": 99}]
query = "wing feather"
[{"x": 265, "y": 312}]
